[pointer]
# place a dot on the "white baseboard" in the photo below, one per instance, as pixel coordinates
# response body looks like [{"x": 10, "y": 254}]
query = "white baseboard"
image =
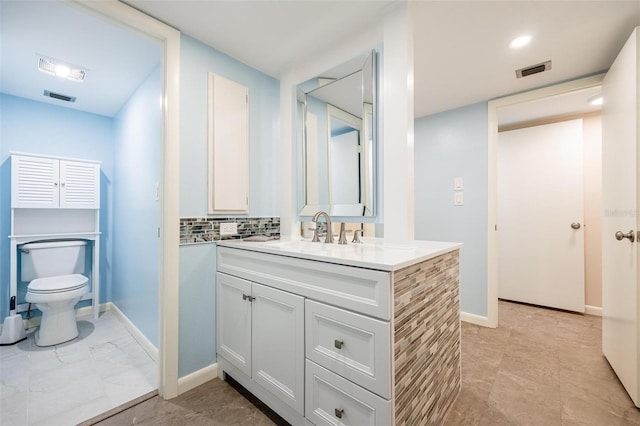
[
  {"x": 593, "y": 310},
  {"x": 475, "y": 319},
  {"x": 146, "y": 344},
  {"x": 197, "y": 378}
]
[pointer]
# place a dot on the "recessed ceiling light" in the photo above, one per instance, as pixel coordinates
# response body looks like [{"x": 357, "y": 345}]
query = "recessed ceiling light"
[
  {"x": 519, "y": 42},
  {"x": 596, "y": 100},
  {"x": 62, "y": 71}
]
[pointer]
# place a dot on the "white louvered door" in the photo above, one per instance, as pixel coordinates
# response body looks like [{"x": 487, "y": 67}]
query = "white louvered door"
[
  {"x": 79, "y": 185},
  {"x": 34, "y": 182},
  {"x": 49, "y": 183}
]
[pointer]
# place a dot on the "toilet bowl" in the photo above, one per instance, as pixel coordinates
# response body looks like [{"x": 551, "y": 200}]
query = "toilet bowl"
[
  {"x": 55, "y": 297},
  {"x": 53, "y": 270}
]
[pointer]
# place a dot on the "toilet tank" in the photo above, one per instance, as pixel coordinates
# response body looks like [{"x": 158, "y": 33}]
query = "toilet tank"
[{"x": 52, "y": 258}]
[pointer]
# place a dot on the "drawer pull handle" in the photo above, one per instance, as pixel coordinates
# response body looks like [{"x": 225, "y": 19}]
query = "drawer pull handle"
[
  {"x": 247, "y": 297},
  {"x": 339, "y": 412},
  {"x": 338, "y": 344}
]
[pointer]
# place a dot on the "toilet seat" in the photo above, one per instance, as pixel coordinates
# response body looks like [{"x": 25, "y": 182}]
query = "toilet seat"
[{"x": 58, "y": 284}]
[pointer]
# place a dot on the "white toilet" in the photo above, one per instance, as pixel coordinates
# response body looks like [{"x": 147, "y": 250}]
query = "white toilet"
[{"x": 53, "y": 269}]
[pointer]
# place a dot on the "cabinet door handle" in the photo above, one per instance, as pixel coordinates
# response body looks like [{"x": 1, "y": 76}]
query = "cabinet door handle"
[
  {"x": 55, "y": 183},
  {"x": 339, "y": 412},
  {"x": 247, "y": 297},
  {"x": 338, "y": 343}
]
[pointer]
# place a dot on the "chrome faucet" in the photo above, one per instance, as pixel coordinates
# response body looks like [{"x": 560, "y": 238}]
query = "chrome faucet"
[{"x": 329, "y": 237}]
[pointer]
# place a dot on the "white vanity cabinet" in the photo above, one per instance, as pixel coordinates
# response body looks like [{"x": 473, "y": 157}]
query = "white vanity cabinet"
[
  {"x": 261, "y": 333},
  {"x": 47, "y": 182},
  {"x": 372, "y": 341}
]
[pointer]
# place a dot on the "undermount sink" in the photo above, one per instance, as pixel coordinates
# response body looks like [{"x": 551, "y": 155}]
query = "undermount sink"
[{"x": 375, "y": 253}]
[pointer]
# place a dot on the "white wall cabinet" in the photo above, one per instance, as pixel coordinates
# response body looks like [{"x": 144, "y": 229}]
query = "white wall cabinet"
[
  {"x": 55, "y": 198},
  {"x": 228, "y": 146},
  {"x": 261, "y": 333},
  {"x": 43, "y": 182}
]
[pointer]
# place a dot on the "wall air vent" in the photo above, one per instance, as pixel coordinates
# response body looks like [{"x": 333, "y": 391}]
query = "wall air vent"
[
  {"x": 59, "y": 96},
  {"x": 533, "y": 69}
]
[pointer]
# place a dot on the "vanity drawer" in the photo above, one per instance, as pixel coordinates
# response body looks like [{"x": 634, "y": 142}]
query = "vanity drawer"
[
  {"x": 349, "y": 344},
  {"x": 332, "y": 400},
  {"x": 359, "y": 289}
]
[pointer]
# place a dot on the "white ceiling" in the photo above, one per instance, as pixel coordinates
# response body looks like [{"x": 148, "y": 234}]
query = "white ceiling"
[
  {"x": 117, "y": 59},
  {"x": 461, "y": 47},
  {"x": 462, "y": 53}
]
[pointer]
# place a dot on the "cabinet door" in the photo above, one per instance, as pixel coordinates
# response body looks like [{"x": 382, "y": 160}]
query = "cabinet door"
[
  {"x": 234, "y": 321},
  {"x": 228, "y": 146},
  {"x": 34, "y": 182},
  {"x": 79, "y": 185},
  {"x": 278, "y": 344}
]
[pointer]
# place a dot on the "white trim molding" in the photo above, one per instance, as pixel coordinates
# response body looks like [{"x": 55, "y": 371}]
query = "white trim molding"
[
  {"x": 492, "y": 171},
  {"x": 477, "y": 320},
  {"x": 593, "y": 310},
  {"x": 146, "y": 344},
  {"x": 168, "y": 263},
  {"x": 197, "y": 378}
]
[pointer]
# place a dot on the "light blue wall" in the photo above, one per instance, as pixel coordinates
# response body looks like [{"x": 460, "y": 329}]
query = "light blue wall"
[
  {"x": 197, "y": 60},
  {"x": 197, "y": 262},
  {"x": 197, "y": 307},
  {"x": 136, "y": 213},
  {"x": 39, "y": 128},
  {"x": 450, "y": 144}
]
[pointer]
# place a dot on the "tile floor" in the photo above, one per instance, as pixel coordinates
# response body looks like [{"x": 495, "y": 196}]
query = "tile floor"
[
  {"x": 539, "y": 367},
  {"x": 68, "y": 383}
]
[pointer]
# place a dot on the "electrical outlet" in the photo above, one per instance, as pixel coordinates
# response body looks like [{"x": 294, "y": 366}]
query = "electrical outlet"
[{"x": 228, "y": 228}]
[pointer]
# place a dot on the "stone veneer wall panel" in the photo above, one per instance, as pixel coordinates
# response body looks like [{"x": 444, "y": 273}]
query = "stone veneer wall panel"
[{"x": 426, "y": 341}]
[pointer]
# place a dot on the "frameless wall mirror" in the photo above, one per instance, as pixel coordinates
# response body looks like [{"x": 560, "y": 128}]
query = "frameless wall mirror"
[{"x": 337, "y": 137}]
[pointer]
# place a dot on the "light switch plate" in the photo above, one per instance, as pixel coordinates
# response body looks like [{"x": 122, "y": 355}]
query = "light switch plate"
[
  {"x": 458, "y": 183},
  {"x": 458, "y": 199},
  {"x": 228, "y": 228}
]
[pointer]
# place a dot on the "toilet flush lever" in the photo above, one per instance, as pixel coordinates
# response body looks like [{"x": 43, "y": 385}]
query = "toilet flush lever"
[{"x": 25, "y": 251}]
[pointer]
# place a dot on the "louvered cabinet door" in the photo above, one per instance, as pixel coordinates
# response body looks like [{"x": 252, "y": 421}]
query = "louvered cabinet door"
[
  {"x": 34, "y": 182},
  {"x": 79, "y": 185}
]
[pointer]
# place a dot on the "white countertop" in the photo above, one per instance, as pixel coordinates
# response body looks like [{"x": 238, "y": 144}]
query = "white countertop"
[{"x": 372, "y": 253}]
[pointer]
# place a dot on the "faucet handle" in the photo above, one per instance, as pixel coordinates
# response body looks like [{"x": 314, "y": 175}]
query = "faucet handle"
[
  {"x": 356, "y": 235},
  {"x": 343, "y": 236}
]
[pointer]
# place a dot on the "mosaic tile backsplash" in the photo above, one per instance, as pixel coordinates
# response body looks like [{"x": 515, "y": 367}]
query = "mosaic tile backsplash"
[{"x": 207, "y": 229}]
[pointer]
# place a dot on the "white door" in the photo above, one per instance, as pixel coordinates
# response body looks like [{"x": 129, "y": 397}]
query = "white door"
[
  {"x": 620, "y": 202},
  {"x": 34, "y": 182},
  {"x": 234, "y": 321},
  {"x": 79, "y": 185},
  {"x": 540, "y": 215},
  {"x": 278, "y": 344}
]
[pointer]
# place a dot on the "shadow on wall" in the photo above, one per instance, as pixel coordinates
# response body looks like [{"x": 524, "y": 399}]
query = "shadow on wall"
[
  {"x": 105, "y": 238},
  {"x": 5, "y": 229}
]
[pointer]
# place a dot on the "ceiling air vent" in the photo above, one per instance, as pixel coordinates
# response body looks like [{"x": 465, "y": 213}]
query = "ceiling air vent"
[
  {"x": 59, "y": 96},
  {"x": 534, "y": 69}
]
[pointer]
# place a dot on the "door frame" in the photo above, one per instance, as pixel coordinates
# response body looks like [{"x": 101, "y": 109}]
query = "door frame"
[
  {"x": 492, "y": 176},
  {"x": 169, "y": 238}
]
